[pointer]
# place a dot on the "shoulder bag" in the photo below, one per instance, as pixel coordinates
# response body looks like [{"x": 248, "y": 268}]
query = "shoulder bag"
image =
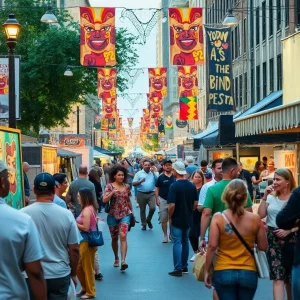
[
  {"x": 95, "y": 238},
  {"x": 259, "y": 256}
]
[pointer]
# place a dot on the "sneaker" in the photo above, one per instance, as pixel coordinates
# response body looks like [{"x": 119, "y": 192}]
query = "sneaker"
[
  {"x": 144, "y": 227},
  {"x": 150, "y": 224},
  {"x": 165, "y": 240},
  {"x": 176, "y": 273},
  {"x": 193, "y": 257},
  {"x": 185, "y": 270},
  {"x": 98, "y": 276}
]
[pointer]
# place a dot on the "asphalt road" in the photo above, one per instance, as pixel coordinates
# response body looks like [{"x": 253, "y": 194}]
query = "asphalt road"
[{"x": 147, "y": 277}]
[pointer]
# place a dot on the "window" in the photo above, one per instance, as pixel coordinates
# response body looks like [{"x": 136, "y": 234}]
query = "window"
[
  {"x": 257, "y": 25},
  {"x": 245, "y": 89},
  {"x": 264, "y": 80},
  {"x": 245, "y": 35},
  {"x": 298, "y": 12},
  {"x": 252, "y": 25},
  {"x": 237, "y": 41},
  {"x": 278, "y": 14},
  {"x": 287, "y": 12},
  {"x": 252, "y": 87},
  {"x": 217, "y": 11},
  {"x": 241, "y": 91},
  {"x": 257, "y": 83},
  {"x": 264, "y": 21},
  {"x": 271, "y": 17},
  {"x": 236, "y": 93},
  {"x": 279, "y": 72},
  {"x": 271, "y": 75}
]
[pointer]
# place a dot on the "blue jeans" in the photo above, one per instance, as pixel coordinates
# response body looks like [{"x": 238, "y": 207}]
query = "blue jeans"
[
  {"x": 180, "y": 247},
  {"x": 235, "y": 284},
  {"x": 296, "y": 282}
]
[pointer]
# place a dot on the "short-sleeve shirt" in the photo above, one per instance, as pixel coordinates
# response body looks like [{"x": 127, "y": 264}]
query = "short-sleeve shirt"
[
  {"x": 57, "y": 229},
  {"x": 149, "y": 184},
  {"x": 255, "y": 174},
  {"x": 163, "y": 183},
  {"x": 183, "y": 194},
  {"x": 20, "y": 243},
  {"x": 57, "y": 200},
  {"x": 213, "y": 199},
  {"x": 119, "y": 207},
  {"x": 130, "y": 170},
  {"x": 274, "y": 207},
  {"x": 203, "y": 191}
]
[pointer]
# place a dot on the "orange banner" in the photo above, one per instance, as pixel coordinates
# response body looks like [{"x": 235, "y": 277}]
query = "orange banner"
[
  {"x": 107, "y": 83},
  {"x": 97, "y": 36},
  {"x": 187, "y": 81},
  {"x": 158, "y": 82}
]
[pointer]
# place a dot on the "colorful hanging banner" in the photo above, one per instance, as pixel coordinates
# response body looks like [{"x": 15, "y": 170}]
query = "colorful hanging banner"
[
  {"x": 187, "y": 81},
  {"x": 104, "y": 124},
  {"x": 107, "y": 83},
  {"x": 188, "y": 108},
  {"x": 161, "y": 125},
  {"x": 158, "y": 82},
  {"x": 153, "y": 125},
  {"x": 111, "y": 123},
  {"x": 112, "y": 134},
  {"x": 130, "y": 122},
  {"x": 97, "y": 36},
  {"x": 186, "y": 36},
  {"x": 220, "y": 97},
  {"x": 169, "y": 123},
  {"x": 109, "y": 110},
  {"x": 156, "y": 109},
  {"x": 120, "y": 122}
]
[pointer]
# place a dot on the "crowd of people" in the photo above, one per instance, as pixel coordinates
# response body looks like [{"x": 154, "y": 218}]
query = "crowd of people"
[{"x": 207, "y": 207}]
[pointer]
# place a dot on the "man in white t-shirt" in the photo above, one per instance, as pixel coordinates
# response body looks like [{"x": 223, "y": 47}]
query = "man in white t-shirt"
[
  {"x": 21, "y": 249},
  {"x": 58, "y": 232}
]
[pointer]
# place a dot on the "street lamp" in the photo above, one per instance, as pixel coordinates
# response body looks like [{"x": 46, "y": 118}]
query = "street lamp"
[
  {"x": 12, "y": 29},
  {"x": 68, "y": 72},
  {"x": 49, "y": 17},
  {"x": 230, "y": 19}
]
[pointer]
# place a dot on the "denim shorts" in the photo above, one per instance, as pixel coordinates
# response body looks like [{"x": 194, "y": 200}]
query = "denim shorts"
[
  {"x": 112, "y": 221},
  {"x": 117, "y": 226}
]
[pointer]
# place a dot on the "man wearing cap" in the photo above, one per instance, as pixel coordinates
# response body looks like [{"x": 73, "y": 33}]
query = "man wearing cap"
[
  {"x": 145, "y": 181},
  {"x": 58, "y": 233},
  {"x": 165, "y": 179},
  {"x": 182, "y": 200},
  {"x": 61, "y": 184},
  {"x": 191, "y": 168},
  {"x": 20, "y": 249}
]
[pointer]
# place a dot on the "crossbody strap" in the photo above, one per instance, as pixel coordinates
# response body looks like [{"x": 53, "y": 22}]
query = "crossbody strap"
[
  {"x": 238, "y": 235},
  {"x": 95, "y": 220}
]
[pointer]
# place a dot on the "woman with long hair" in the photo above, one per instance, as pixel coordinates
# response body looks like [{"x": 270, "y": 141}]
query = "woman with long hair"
[
  {"x": 235, "y": 273},
  {"x": 198, "y": 179},
  {"x": 117, "y": 193},
  {"x": 86, "y": 222},
  {"x": 274, "y": 199},
  {"x": 256, "y": 177}
]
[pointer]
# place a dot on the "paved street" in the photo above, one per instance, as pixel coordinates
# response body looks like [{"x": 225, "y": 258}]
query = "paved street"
[{"x": 147, "y": 276}]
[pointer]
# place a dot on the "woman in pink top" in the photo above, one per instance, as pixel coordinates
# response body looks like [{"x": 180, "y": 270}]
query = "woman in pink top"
[
  {"x": 86, "y": 222},
  {"x": 118, "y": 218}
]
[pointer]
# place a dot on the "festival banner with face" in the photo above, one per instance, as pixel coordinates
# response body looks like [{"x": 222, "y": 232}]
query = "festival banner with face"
[
  {"x": 153, "y": 125},
  {"x": 156, "y": 107},
  {"x": 130, "y": 122},
  {"x": 107, "y": 83},
  {"x": 186, "y": 36},
  {"x": 97, "y": 36},
  {"x": 158, "y": 86},
  {"x": 187, "y": 81},
  {"x": 109, "y": 110},
  {"x": 104, "y": 124}
]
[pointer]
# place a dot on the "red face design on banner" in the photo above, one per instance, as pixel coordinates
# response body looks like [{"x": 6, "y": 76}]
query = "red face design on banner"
[
  {"x": 3, "y": 84},
  {"x": 158, "y": 82},
  {"x": 107, "y": 82},
  {"x": 186, "y": 36},
  {"x": 97, "y": 36},
  {"x": 187, "y": 81},
  {"x": 109, "y": 111},
  {"x": 11, "y": 163}
]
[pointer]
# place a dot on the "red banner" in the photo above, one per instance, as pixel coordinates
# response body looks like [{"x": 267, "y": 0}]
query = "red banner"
[
  {"x": 158, "y": 82},
  {"x": 97, "y": 36},
  {"x": 186, "y": 36},
  {"x": 187, "y": 81},
  {"x": 107, "y": 83}
]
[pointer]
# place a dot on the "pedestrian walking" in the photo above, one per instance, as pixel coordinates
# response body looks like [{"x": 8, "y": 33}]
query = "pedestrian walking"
[
  {"x": 206, "y": 170},
  {"x": 191, "y": 167},
  {"x": 21, "y": 249},
  {"x": 58, "y": 234},
  {"x": 118, "y": 193},
  {"x": 235, "y": 272},
  {"x": 198, "y": 180},
  {"x": 95, "y": 180},
  {"x": 61, "y": 185},
  {"x": 86, "y": 222},
  {"x": 288, "y": 219},
  {"x": 127, "y": 164},
  {"x": 275, "y": 197},
  {"x": 80, "y": 182},
  {"x": 182, "y": 200},
  {"x": 145, "y": 181},
  {"x": 162, "y": 186},
  {"x": 26, "y": 168}
]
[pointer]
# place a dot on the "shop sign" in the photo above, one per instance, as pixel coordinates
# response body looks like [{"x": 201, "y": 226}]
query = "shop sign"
[
  {"x": 72, "y": 140},
  {"x": 181, "y": 124},
  {"x": 286, "y": 159}
]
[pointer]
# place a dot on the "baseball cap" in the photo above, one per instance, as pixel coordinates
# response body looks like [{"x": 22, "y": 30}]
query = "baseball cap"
[
  {"x": 179, "y": 167},
  {"x": 44, "y": 182},
  {"x": 166, "y": 161},
  {"x": 3, "y": 166}
]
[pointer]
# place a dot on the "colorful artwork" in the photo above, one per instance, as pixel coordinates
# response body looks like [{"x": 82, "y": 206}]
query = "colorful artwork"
[
  {"x": 130, "y": 122},
  {"x": 104, "y": 124},
  {"x": 111, "y": 123},
  {"x": 156, "y": 109},
  {"x": 187, "y": 81},
  {"x": 97, "y": 36},
  {"x": 186, "y": 36},
  {"x": 153, "y": 125},
  {"x": 158, "y": 82},
  {"x": 49, "y": 159},
  {"x": 220, "y": 96},
  {"x": 249, "y": 162},
  {"x": 109, "y": 110},
  {"x": 169, "y": 123},
  {"x": 188, "y": 108},
  {"x": 107, "y": 83},
  {"x": 72, "y": 140},
  {"x": 10, "y": 153}
]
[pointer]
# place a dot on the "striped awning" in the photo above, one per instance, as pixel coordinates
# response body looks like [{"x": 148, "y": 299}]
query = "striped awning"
[{"x": 280, "y": 118}]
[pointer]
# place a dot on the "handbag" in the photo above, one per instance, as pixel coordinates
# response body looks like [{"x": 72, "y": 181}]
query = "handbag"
[
  {"x": 259, "y": 256},
  {"x": 199, "y": 266},
  {"x": 95, "y": 238}
]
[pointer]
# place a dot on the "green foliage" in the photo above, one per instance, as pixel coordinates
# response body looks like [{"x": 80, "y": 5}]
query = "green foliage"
[
  {"x": 115, "y": 148},
  {"x": 46, "y": 50}
]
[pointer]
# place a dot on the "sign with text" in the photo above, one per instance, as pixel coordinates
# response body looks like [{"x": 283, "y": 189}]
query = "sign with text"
[
  {"x": 286, "y": 159},
  {"x": 220, "y": 96},
  {"x": 72, "y": 140}
]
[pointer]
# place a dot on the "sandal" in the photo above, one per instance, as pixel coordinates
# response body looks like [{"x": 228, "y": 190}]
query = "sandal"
[
  {"x": 116, "y": 263},
  {"x": 124, "y": 266},
  {"x": 80, "y": 293},
  {"x": 87, "y": 297}
]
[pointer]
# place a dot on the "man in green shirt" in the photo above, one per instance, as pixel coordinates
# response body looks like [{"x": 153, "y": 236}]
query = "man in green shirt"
[{"x": 213, "y": 201}]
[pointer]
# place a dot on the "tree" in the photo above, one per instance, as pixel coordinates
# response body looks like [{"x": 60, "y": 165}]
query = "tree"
[
  {"x": 46, "y": 95},
  {"x": 115, "y": 148}
]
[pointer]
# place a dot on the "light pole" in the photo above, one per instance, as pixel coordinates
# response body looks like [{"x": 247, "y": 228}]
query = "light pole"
[
  {"x": 77, "y": 115},
  {"x": 12, "y": 29}
]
